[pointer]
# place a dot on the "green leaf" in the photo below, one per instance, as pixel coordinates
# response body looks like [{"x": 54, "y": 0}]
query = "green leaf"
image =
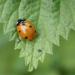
[
  {"x": 52, "y": 19},
  {"x": 1, "y": 6}
]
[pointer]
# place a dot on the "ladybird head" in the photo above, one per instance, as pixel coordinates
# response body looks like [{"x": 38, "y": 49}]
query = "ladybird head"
[{"x": 19, "y": 21}]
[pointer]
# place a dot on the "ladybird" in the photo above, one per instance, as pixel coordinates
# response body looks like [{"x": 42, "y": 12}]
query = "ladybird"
[{"x": 25, "y": 29}]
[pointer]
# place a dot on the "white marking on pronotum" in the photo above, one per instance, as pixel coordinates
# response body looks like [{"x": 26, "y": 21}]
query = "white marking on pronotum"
[{"x": 24, "y": 28}]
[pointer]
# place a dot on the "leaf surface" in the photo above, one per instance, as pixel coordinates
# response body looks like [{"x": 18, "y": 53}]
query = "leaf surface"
[{"x": 52, "y": 19}]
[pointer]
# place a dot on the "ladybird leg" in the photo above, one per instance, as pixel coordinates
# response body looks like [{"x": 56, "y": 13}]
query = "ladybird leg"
[{"x": 20, "y": 38}]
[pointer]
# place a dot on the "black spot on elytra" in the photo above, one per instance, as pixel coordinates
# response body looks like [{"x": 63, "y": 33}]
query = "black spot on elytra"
[
  {"x": 35, "y": 30},
  {"x": 30, "y": 26},
  {"x": 19, "y": 31},
  {"x": 26, "y": 37}
]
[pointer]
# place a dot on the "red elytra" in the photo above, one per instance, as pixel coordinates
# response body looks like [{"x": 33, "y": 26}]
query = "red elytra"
[{"x": 25, "y": 29}]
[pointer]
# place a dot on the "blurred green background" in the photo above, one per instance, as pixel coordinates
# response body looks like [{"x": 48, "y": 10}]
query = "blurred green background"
[{"x": 62, "y": 62}]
